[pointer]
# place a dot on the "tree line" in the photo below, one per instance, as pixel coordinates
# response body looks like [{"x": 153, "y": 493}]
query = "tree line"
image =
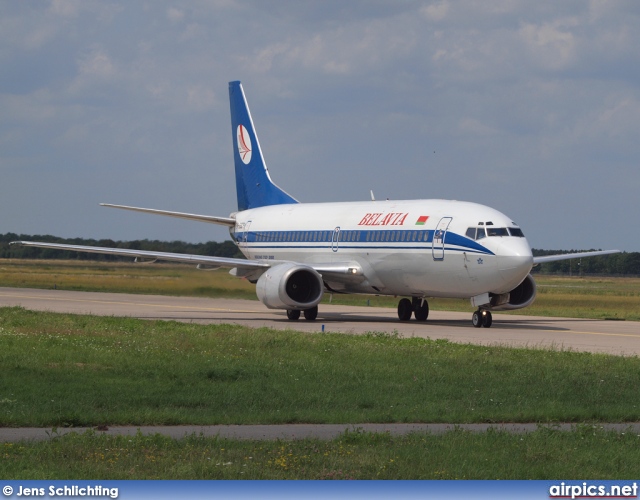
[
  {"x": 212, "y": 248},
  {"x": 623, "y": 264},
  {"x": 620, "y": 264}
]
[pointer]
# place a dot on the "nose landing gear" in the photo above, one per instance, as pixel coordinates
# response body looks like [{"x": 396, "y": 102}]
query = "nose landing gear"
[{"x": 481, "y": 318}]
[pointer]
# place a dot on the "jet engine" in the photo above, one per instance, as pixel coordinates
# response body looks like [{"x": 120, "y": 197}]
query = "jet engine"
[
  {"x": 290, "y": 286},
  {"x": 521, "y": 296}
]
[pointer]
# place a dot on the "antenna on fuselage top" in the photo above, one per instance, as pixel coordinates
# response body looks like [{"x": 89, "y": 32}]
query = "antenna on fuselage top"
[{"x": 373, "y": 198}]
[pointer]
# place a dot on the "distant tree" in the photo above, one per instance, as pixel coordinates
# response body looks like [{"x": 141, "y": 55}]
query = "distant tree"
[{"x": 212, "y": 248}]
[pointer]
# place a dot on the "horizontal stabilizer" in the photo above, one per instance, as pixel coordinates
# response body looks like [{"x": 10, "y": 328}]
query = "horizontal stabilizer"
[
  {"x": 566, "y": 256},
  {"x": 225, "y": 221}
]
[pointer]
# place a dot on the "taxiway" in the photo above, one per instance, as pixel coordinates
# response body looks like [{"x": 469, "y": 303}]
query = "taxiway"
[{"x": 613, "y": 337}]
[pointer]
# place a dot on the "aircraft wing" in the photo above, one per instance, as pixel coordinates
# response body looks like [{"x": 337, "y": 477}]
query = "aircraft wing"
[
  {"x": 225, "y": 221},
  {"x": 146, "y": 255},
  {"x": 566, "y": 256},
  {"x": 342, "y": 271}
]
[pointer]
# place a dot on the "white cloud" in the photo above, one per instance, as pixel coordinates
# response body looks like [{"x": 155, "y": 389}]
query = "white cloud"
[
  {"x": 200, "y": 97},
  {"x": 174, "y": 14},
  {"x": 435, "y": 11},
  {"x": 97, "y": 64},
  {"x": 552, "y": 45},
  {"x": 66, "y": 8}
]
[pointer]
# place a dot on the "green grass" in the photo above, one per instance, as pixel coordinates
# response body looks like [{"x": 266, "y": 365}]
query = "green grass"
[
  {"x": 158, "y": 279},
  {"x": 576, "y": 297},
  {"x": 68, "y": 370},
  {"x": 543, "y": 454}
]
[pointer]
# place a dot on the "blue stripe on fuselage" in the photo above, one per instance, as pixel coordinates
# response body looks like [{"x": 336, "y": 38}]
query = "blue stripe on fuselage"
[{"x": 358, "y": 239}]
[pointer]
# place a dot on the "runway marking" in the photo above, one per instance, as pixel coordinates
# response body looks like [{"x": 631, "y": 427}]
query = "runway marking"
[{"x": 597, "y": 333}]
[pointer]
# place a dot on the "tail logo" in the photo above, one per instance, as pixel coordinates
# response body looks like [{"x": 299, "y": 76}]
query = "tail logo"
[{"x": 244, "y": 144}]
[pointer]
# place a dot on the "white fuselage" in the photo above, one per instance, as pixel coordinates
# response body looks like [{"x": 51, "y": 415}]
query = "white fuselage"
[{"x": 436, "y": 248}]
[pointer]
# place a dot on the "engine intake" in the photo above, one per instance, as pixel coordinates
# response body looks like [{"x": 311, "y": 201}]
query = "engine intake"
[
  {"x": 290, "y": 286},
  {"x": 521, "y": 296}
]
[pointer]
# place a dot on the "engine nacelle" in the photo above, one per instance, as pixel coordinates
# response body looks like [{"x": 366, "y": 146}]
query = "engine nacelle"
[
  {"x": 290, "y": 286},
  {"x": 521, "y": 296}
]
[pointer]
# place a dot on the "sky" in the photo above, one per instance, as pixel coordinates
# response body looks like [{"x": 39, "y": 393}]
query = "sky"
[{"x": 532, "y": 108}]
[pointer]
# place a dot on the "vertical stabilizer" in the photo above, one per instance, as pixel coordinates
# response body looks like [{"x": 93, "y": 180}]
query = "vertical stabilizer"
[{"x": 253, "y": 184}]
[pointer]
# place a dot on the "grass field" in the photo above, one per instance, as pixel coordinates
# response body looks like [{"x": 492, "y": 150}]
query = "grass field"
[
  {"x": 72, "y": 370},
  {"x": 67, "y": 370},
  {"x": 577, "y": 297},
  {"x": 544, "y": 454}
]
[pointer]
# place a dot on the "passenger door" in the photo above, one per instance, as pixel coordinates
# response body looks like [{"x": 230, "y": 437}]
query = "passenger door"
[{"x": 437, "y": 245}]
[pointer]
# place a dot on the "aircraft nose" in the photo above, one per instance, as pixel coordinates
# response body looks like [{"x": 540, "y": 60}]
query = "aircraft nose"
[{"x": 514, "y": 259}]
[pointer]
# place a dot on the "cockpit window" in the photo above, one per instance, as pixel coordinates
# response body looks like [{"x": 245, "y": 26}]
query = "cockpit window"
[
  {"x": 497, "y": 231},
  {"x": 476, "y": 233}
]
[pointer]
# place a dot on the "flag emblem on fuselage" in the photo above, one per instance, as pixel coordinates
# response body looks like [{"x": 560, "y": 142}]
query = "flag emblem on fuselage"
[{"x": 422, "y": 220}]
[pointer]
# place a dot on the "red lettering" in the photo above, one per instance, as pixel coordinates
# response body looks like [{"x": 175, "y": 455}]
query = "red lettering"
[
  {"x": 395, "y": 222},
  {"x": 364, "y": 220},
  {"x": 401, "y": 221},
  {"x": 374, "y": 220},
  {"x": 380, "y": 219},
  {"x": 386, "y": 220}
]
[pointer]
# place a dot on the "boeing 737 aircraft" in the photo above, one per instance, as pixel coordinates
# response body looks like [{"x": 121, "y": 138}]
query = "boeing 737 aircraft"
[{"x": 413, "y": 249}]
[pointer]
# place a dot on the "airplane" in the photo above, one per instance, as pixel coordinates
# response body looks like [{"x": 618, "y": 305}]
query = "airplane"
[{"x": 414, "y": 249}]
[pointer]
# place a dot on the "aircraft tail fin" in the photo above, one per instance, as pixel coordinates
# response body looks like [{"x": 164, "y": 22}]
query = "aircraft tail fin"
[{"x": 253, "y": 183}]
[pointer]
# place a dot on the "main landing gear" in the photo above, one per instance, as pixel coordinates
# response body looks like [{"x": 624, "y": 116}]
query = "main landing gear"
[
  {"x": 481, "y": 318},
  {"x": 419, "y": 307},
  {"x": 309, "y": 314}
]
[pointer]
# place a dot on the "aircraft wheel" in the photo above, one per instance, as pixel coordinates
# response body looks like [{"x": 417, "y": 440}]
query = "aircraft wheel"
[
  {"x": 421, "y": 312},
  {"x": 476, "y": 319},
  {"x": 311, "y": 314},
  {"x": 293, "y": 314},
  {"x": 405, "y": 308},
  {"x": 487, "y": 319}
]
